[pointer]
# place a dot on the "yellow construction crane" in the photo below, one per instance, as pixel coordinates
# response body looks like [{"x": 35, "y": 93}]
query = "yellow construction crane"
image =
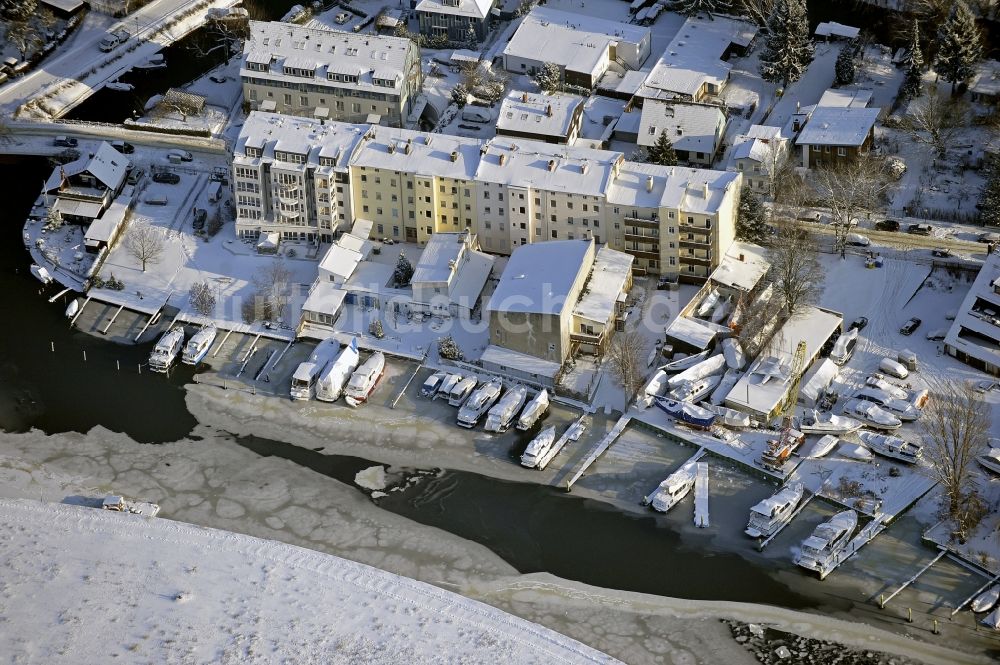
[{"x": 779, "y": 450}]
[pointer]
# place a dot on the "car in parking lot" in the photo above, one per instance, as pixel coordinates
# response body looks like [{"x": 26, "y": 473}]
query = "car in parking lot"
[
  {"x": 859, "y": 323},
  {"x": 166, "y": 177},
  {"x": 887, "y": 225},
  {"x": 181, "y": 155},
  {"x": 858, "y": 240},
  {"x": 342, "y": 18},
  {"x": 941, "y": 252},
  {"x": 200, "y": 215},
  {"x": 123, "y": 147},
  {"x": 910, "y": 326},
  {"x": 65, "y": 142},
  {"x": 988, "y": 237},
  {"x": 920, "y": 229},
  {"x": 218, "y": 78},
  {"x": 134, "y": 176}
]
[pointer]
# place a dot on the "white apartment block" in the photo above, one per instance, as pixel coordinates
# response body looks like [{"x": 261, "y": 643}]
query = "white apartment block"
[
  {"x": 508, "y": 192},
  {"x": 316, "y": 72}
]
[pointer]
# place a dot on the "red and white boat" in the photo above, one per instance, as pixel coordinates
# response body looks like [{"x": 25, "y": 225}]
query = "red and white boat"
[{"x": 364, "y": 379}]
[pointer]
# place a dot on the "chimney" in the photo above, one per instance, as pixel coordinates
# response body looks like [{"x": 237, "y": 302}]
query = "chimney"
[
  {"x": 649, "y": 184},
  {"x": 706, "y": 190},
  {"x": 584, "y": 167},
  {"x": 407, "y": 148},
  {"x": 552, "y": 165},
  {"x": 524, "y": 97},
  {"x": 454, "y": 156},
  {"x": 548, "y": 110},
  {"x": 392, "y": 148},
  {"x": 798, "y": 106},
  {"x": 503, "y": 158},
  {"x": 742, "y": 258}
]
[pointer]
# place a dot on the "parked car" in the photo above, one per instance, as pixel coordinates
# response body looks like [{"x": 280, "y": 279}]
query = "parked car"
[
  {"x": 887, "y": 225},
  {"x": 123, "y": 147},
  {"x": 135, "y": 175},
  {"x": 859, "y": 323},
  {"x": 920, "y": 229},
  {"x": 986, "y": 385},
  {"x": 200, "y": 215},
  {"x": 218, "y": 78},
  {"x": 941, "y": 252},
  {"x": 858, "y": 240},
  {"x": 65, "y": 142},
  {"x": 342, "y": 18},
  {"x": 166, "y": 177},
  {"x": 988, "y": 237},
  {"x": 182, "y": 155},
  {"x": 910, "y": 326},
  {"x": 937, "y": 335}
]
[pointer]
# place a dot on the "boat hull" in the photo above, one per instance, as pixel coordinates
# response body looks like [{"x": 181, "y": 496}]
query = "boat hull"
[{"x": 354, "y": 400}]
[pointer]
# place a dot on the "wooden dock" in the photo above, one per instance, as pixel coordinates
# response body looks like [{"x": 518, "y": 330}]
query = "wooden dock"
[
  {"x": 865, "y": 536},
  {"x": 701, "y": 496},
  {"x": 883, "y": 602},
  {"x": 599, "y": 450}
]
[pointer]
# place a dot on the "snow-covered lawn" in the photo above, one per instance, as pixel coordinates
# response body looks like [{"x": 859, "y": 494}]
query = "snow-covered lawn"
[{"x": 88, "y": 585}]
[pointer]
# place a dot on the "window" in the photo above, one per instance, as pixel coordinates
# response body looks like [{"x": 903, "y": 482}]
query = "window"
[
  {"x": 538, "y": 231},
  {"x": 395, "y": 230},
  {"x": 365, "y": 208},
  {"x": 381, "y": 229},
  {"x": 552, "y": 218},
  {"x": 842, "y": 152},
  {"x": 486, "y": 195},
  {"x": 555, "y": 234},
  {"x": 522, "y": 210}
]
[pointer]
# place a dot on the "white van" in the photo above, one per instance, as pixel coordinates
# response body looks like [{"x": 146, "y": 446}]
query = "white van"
[
  {"x": 156, "y": 200},
  {"x": 858, "y": 240},
  {"x": 215, "y": 192},
  {"x": 893, "y": 368}
]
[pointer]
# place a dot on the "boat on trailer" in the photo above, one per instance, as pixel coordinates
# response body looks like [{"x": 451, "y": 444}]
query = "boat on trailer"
[
  {"x": 364, "y": 379},
  {"x": 821, "y": 549},
  {"x": 891, "y": 446},
  {"x": 820, "y": 448},
  {"x": 687, "y": 412},
  {"x": 773, "y": 512},
  {"x": 533, "y": 410},
  {"x": 684, "y": 363},
  {"x": 872, "y": 415},
  {"x": 479, "y": 403},
  {"x": 504, "y": 411},
  {"x": 815, "y": 422}
]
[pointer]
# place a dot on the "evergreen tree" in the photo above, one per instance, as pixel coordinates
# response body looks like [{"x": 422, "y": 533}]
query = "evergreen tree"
[
  {"x": 549, "y": 79},
  {"x": 692, "y": 7},
  {"x": 910, "y": 89},
  {"x": 846, "y": 67},
  {"x": 404, "y": 270},
  {"x": 989, "y": 200},
  {"x": 460, "y": 95},
  {"x": 959, "y": 46},
  {"x": 751, "y": 219},
  {"x": 449, "y": 350},
  {"x": 662, "y": 152},
  {"x": 17, "y": 10},
  {"x": 788, "y": 49}
]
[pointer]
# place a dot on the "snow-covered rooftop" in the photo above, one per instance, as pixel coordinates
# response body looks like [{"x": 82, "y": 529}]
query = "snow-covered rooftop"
[
  {"x": 375, "y": 63},
  {"x": 987, "y": 79},
  {"x": 103, "y": 229},
  {"x": 475, "y": 8},
  {"x": 845, "y": 98},
  {"x": 339, "y": 261},
  {"x": 694, "y": 57},
  {"x": 569, "y": 39},
  {"x": 742, "y": 267},
  {"x": 817, "y": 380},
  {"x": 544, "y": 114},
  {"x": 546, "y": 166},
  {"x": 106, "y": 164},
  {"x": 834, "y": 29},
  {"x": 974, "y": 332},
  {"x": 499, "y": 356},
  {"x": 838, "y": 126},
  {"x": 324, "y": 298},
  {"x": 757, "y": 144},
  {"x": 611, "y": 272},
  {"x": 691, "y": 127},
  {"x": 420, "y": 153},
  {"x": 538, "y": 277},
  {"x": 652, "y": 186},
  {"x": 439, "y": 260},
  {"x": 766, "y": 382},
  {"x": 694, "y": 332},
  {"x": 330, "y": 143}
]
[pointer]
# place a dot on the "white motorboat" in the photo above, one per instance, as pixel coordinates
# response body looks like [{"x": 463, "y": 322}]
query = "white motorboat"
[
  {"x": 900, "y": 408},
  {"x": 431, "y": 384},
  {"x": 877, "y": 381},
  {"x": 676, "y": 486},
  {"x": 682, "y": 364},
  {"x": 479, "y": 403},
  {"x": 199, "y": 344},
  {"x": 462, "y": 390},
  {"x": 730, "y": 417},
  {"x": 987, "y": 599},
  {"x": 504, "y": 411},
  {"x": 855, "y": 451},
  {"x": 990, "y": 460},
  {"x": 992, "y": 620},
  {"x": 41, "y": 273},
  {"x": 844, "y": 347},
  {"x": 651, "y": 358},
  {"x": 305, "y": 376},
  {"x": 167, "y": 348},
  {"x": 821, "y": 549},
  {"x": 722, "y": 310},
  {"x": 708, "y": 367},
  {"x": 695, "y": 391},
  {"x": 773, "y": 512},
  {"x": 891, "y": 446},
  {"x": 872, "y": 414},
  {"x": 540, "y": 445},
  {"x": 652, "y": 390},
  {"x": 732, "y": 351},
  {"x": 72, "y": 308},
  {"x": 726, "y": 385},
  {"x": 364, "y": 379},
  {"x": 331, "y": 381},
  {"x": 815, "y": 422},
  {"x": 708, "y": 304},
  {"x": 447, "y": 384},
  {"x": 119, "y": 86},
  {"x": 819, "y": 448},
  {"x": 533, "y": 410}
]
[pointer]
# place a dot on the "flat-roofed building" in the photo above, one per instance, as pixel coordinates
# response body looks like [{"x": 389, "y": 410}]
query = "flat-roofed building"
[{"x": 550, "y": 117}]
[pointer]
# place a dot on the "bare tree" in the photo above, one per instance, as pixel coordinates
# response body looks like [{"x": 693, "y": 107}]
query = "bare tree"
[
  {"x": 955, "y": 427},
  {"x": 627, "y": 358},
  {"x": 219, "y": 34},
  {"x": 145, "y": 243},
  {"x": 936, "y": 122},
  {"x": 850, "y": 189},
  {"x": 756, "y": 321},
  {"x": 274, "y": 287},
  {"x": 202, "y": 298},
  {"x": 795, "y": 275},
  {"x": 756, "y": 10}
]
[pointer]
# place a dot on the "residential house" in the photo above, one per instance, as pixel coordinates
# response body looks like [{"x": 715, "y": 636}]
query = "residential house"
[
  {"x": 85, "y": 188},
  {"x": 985, "y": 85},
  {"x": 693, "y": 66},
  {"x": 836, "y": 134},
  {"x": 833, "y": 31},
  {"x": 458, "y": 20},
  {"x": 549, "y": 117},
  {"x": 759, "y": 155},
  {"x": 342, "y": 76},
  {"x": 695, "y": 130},
  {"x": 846, "y": 98},
  {"x": 450, "y": 276},
  {"x": 582, "y": 46}
]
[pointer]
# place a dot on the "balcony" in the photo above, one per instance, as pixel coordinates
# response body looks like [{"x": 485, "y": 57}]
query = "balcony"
[
  {"x": 585, "y": 338},
  {"x": 697, "y": 260},
  {"x": 684, "y": 227},
  {"x": 648, "y": 223},
  {"x": 695, "y": 244},
  {"x": 641, "y": 254}
]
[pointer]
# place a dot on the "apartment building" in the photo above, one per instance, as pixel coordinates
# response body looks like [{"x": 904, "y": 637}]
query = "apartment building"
[
  {"x": 507, "y": 192},
  {"x": 322, "y": 73},
  {"x": 290, "y": 176},
  {"x": 455, "y": 19}
]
